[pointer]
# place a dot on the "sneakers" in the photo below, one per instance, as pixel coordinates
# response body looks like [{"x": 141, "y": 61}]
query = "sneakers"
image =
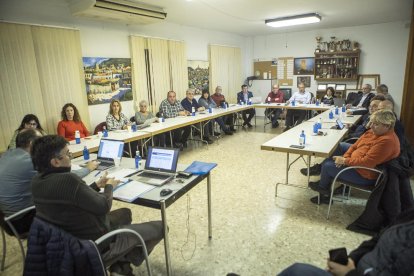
[
  {"x": 314, "y": 170},
  {"x": 315, "y": 186},
  {"x": 323, "y": 200}
]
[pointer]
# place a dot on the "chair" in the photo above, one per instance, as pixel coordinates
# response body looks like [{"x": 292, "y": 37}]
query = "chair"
[
  {"x": 48, "y": 239},
  {"x": 8, "y": 221},
  {"x": 352, "y": 185},
  {"x": 99, "y": 127},
  {"x": 132, "y": 119},
  {"x": 339, "y": 101}
]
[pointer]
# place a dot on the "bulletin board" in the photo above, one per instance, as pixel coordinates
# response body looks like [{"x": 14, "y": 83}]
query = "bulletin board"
[
  {"x": 261, "y": 69},
  {"x": 285, "y": 71}
]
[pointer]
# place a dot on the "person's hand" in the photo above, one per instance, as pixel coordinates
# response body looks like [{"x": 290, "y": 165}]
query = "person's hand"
[
  {"x": 340, "y": 270},
  {"x": 348, "y": 112},
  {"x": 339, "y": 161},
  {"x": 201, "y": 108},
  {"x": 92, "y": 165},
  {"x": 182, "y": 113},
  {"x": 348, "y": 106},
  {"x": 104, "y": 180}
]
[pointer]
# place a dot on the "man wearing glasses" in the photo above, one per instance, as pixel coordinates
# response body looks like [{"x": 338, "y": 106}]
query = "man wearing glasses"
[{"x": 65, "y": 200}]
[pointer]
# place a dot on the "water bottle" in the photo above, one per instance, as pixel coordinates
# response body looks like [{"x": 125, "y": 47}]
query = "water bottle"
[
  {"x": 137, "y": 159},
  {"x": 77, "y": 137},
  {"x": 85, "y": 153},
  {"x": 320, "y": 123},
  {"x": 343, "y": 108},
  {"x": 331, "y": 114},
  {"x": 293, "y": 103},
  {"x": 162, "y": 118},
  {"x": 315, "y": 128},
  {"x": 302, "y": 138},
  {"x": 193, "y": 111},
  {"x": 105, "y": 132},
  {"x": 317, "y": 102},
  {"x": 210, "y": 110},
  {"x": 336, "y": 110}
]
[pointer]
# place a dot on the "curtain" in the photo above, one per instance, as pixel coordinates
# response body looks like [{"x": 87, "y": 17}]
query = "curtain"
[
  {"x": 225, "y": 70},
  {"x": 60, "y": 67},
  {"x": 178, "y": 67},
  {"x": 20, "y": 91},
  {"x": 139, "y": 71}
]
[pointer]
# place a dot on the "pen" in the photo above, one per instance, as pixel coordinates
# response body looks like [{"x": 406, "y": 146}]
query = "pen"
[{"x": 97, "y": 173}]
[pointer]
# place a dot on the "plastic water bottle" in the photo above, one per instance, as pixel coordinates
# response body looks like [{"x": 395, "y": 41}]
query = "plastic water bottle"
[
  {"x": 315, "y": 128},
  {"x": 302, "y": 138},
  {"x": 77, "y": 137},
  {"x": 343, "y": 108},
  {"x": 331, "y": 114},
  {"x": 210, "y": 110},
  {"x": 162, "y": 118},
  {"x": 336, "y": 110},
  {"x": 293, "y": 103},
  {"x": 137, "y": 159},
  {"x": 317, "y": 102},
  {"x": 105, "y": 132},
  {"x": 193, "y": 111},
  {"x": 85, "y": 153}
]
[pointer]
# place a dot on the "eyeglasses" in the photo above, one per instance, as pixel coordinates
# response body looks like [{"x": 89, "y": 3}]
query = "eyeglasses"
[
  {"x": 31, "y": 124},
  {"x": 68, "y": 154}
]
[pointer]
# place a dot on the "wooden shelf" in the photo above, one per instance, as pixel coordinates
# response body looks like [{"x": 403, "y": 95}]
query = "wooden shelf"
[{"x": 337, "y": 66}]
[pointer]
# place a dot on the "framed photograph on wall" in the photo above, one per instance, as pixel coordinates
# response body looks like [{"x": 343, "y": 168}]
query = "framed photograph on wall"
[
  {"x": 198, "y": 75},
  {"x": 333, "y": 85},
  {"x": 304, "y": 66},
  {"x": 305, "y": 80},
  {"x": 373, "y": 79},
  {"x": 322, "y": 87},
  {"x": 340, "y": 87}
]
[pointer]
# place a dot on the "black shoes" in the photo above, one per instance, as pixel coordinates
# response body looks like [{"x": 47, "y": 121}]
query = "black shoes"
[
  {"x": 249, "y": 125},
  {"x": 314, "y": 170},
  {"x": 208, "y": 140},
  {"x": 315, "y": 186},
  {"x": 323, "y": 199},
  {"x": 228, "y": 132},
  {"x": 233, "y": 129},
  {"x": 217, "y": 133}
]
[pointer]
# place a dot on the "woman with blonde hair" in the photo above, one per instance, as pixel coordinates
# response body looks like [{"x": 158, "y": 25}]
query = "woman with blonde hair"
[{"x": 115, "y": 118}]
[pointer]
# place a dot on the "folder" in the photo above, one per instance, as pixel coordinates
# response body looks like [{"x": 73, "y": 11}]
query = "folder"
[{"x": 200, "y": 168}]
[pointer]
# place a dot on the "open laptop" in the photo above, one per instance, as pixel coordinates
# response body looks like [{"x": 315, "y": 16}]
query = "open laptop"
[
  {"x": 160, "y": 166},
  {"x": 109, "y": 150}
]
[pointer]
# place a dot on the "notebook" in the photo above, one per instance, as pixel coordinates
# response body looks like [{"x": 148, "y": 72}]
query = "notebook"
[
  {"x": 160, "y": 166},
  {"x": 109, "y": 150}
]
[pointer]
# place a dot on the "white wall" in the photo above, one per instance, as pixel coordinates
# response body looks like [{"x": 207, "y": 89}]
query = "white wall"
[{"x": 383, "y": 50}]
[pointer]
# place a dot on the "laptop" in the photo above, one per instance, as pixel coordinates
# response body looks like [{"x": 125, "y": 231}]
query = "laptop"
[
  {"x": 160, "y": 166},
  {"x": 339, "y": 124},
  {"x": 109, "y": 150},
  {"x": 255, "y": 100}
]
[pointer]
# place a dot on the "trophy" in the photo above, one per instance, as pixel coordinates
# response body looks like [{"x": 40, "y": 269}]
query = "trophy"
[
  {"x": 318, "y": 46},
  {"x": 356, "y": 46}
]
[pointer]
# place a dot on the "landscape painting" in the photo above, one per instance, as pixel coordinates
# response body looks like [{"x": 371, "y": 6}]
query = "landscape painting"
[
  {"x": 107, "y": 79},
  {"x": 198, "y": 75}
]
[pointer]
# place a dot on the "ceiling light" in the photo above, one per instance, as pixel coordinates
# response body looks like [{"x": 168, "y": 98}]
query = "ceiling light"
[{"x": 293, "y": 20}]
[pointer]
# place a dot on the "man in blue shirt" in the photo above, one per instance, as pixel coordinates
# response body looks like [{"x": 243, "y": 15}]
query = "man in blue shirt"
[
  {"x": 188, "y": 104},
  {"x": 301, "y": 97},
  {"x": 243, "y": 97}
]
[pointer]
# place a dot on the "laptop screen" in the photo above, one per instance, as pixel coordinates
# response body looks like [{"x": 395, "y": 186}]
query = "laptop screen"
[
  {"x": 339, "y": 124},
  {"x": 110, "y": 149},
  {"x": 162, "y": 159}
]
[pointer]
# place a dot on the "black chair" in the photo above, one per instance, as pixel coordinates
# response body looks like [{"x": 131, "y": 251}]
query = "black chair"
[
  {"x": 100, "y": 127},
  {"x": 20, "y": 237}
]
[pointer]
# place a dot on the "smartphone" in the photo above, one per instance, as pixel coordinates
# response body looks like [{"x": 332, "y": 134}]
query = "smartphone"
[
  {"x": 297, "y": 146},
  {"x": 339, "y": 255}
]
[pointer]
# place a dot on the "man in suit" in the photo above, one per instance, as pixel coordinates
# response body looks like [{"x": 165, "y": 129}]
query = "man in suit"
[
  {"x": 361, "y": 102},
  {"x": 243, "y": 97}
]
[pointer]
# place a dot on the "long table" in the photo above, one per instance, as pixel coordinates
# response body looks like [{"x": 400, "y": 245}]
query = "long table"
[{"x": 152, "y": 198}]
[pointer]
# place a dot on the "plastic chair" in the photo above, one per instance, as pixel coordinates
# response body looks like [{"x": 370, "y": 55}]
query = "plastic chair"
[
  {"x": 99, "y": 127},
  {"x": 20, "y": 237},
  {"x": 352, "y": 185}
]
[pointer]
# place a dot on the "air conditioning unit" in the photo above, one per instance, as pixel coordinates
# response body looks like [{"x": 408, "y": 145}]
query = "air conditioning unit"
[{"x": 117, "y": 10}]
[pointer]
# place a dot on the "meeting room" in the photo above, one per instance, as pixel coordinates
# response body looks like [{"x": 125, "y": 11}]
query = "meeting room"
[{"x": 205, "y": 137}]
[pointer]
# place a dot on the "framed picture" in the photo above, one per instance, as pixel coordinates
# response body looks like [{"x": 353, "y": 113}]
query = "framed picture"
[
  {"x": 322, "y": 87},
  {"x": 305, "y": 80},
  {"x": 333, "y": 85},
  {"x": 198, "y": 74},
  {"x": 304, "y": 66},
  {"x": 373, "y": 80},
  {"x": 340, "y": 87}
]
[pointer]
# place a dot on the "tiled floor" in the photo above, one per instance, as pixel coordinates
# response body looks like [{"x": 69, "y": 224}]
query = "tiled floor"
[{"x": 254, "y": 233}]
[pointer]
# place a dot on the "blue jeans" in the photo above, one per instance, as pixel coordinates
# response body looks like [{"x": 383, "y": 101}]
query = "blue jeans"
[
  {"x": 329, "y": 171},
  {"x": 299, "y": 269}
]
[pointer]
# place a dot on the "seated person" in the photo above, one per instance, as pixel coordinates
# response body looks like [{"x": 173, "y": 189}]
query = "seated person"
[
  {"x": 389, "y": 253},
  {"x": 220, "y": 101},
  {"x": 16, "y": 173},
  {"x": 301, "y": 97},
  {"x": 30, "y": 121},
  {"x": 376, "y": 146},
  {"x": 188, "y": 104},
  {"x": 115, "y": 118},
  {"x": 243, "y": 97},
  {"x": 361, "y": 101},
  {"x": 65, "y": 200},
  {"x": 383, "y": 90},
  {"x": 398, "y": 128},
  {"x": 170, "y": 108},
  {"x": 71, "y": 122},
  {"x": 328, "y": 99},
  {"x": 142, "y": 115},
  {"x": 274, "y": 96},
  {"x": 206, "y": 102}
]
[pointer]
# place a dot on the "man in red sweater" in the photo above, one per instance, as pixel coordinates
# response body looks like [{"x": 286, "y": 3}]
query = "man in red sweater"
[
  {"x": 220, "y": 100},
  {"x": 275, "y": 96},
  {"x": 376, "y": 146}
]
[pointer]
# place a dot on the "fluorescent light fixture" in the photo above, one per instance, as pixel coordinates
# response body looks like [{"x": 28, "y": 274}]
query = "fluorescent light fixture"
[{"x": 293, "y": 20}]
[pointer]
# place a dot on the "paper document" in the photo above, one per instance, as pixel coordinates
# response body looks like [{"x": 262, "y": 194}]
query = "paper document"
[
  {"x": 131, "y": 190},
  {"x": 122, "y": 173}
]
